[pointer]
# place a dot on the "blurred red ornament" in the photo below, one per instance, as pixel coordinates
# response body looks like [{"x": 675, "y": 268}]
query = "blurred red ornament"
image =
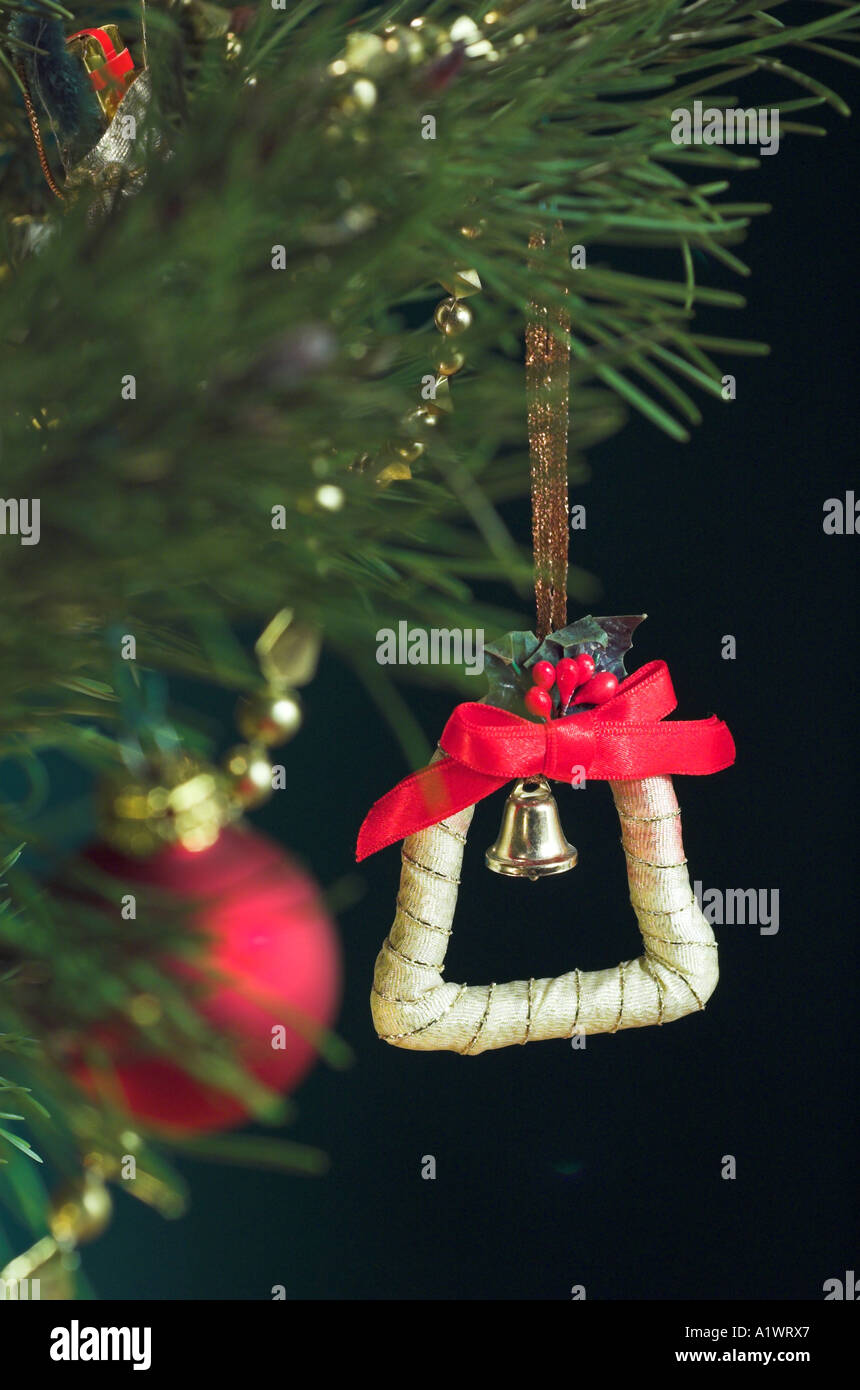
[{"x": 274, "y": 947}]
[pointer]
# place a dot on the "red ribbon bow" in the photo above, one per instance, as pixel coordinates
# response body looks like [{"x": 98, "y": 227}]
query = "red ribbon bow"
[{"x": 486, "y": 747}]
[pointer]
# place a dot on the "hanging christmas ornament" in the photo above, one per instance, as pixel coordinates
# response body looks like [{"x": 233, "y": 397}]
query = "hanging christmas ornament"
[
  {"x": 84, "y": 90},
  {"x": 54, "y": 87},
  {"x": 271, "y": 947},
  {"x": 108, "y": 63},
  {"x": 588, "y": 721},
  {"x": 116, "y": 166},
  {"x": 620, "y": 740},
  {"x": 268, "y": 974}
]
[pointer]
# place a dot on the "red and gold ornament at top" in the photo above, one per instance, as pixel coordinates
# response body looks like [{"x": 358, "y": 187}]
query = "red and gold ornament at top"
[{"x": 108, "y": 62}]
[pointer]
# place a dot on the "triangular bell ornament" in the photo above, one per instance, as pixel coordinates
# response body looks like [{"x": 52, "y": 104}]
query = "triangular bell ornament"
[{"x": 531, "y": 842}]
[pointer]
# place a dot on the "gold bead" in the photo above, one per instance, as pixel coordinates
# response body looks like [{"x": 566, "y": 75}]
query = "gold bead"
[
  {"x": 452, "y": 316},
  {"x": 404, "y": 43},
  {"x": 330, "y": 497},
  {"x": 269, "y": 716},
  {"x": 361, "y": 97},
  {"x": 398, "y": 472},
  {"x": 461, "y": 283},
  {"x": 410, "y": 452},
  {"x": 174, "y": 801},
  {"x": 451, "y": 363},
  {"x": 423, "y": 418},
  {"x": 288, "y": 651},
  {"x": 80, "y": 1210},
  {"x": 250, "y": 773},
  {"x": 144, "y": 1010},
  {"x": 365, "y": 53}
]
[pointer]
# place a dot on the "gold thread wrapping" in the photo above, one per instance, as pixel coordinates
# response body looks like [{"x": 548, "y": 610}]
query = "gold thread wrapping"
[{"x": 672, "y": 978}]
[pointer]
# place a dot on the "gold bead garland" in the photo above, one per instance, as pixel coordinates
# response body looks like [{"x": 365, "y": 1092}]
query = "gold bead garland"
[
  {"x": 180, "y": 799},
  {"x": 368, "y": 57},
  {"x": 452, "y": 317}
]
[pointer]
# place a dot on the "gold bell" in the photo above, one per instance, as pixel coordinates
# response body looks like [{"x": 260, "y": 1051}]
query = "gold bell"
[{"x": 531, "y": 842}]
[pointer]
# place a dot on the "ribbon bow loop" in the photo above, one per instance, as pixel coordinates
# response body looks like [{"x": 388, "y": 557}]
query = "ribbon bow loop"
[
  {"x": 571, "y": 744},
  {"x": 485, "y": 747}
]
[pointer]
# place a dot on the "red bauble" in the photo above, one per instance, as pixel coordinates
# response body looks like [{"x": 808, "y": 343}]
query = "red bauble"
[{"x": 274, "y": 946}]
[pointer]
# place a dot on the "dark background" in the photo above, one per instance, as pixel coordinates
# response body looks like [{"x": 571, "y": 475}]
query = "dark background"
[{"x": 602, "y": 1167}]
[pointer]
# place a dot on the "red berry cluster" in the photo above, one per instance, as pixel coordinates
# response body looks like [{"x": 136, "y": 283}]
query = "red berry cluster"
[{"x": 569, "y": 675}]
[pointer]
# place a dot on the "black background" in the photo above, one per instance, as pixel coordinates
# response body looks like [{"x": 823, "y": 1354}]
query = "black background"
[{"x": 602, "y": 1167}]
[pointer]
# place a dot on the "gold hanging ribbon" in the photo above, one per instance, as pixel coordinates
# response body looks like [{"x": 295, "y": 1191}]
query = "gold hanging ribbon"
[{"x": 548, "y": 393}]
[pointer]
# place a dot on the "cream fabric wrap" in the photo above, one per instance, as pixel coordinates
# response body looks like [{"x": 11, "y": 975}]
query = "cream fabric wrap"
[{"x": 414, "y": 1007}]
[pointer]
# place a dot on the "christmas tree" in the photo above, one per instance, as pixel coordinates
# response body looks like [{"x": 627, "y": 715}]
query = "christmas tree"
[{"x": 265, "y": 278}]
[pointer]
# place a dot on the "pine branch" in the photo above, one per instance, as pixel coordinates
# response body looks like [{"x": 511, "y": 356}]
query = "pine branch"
[{"x": 255, "y": 386}]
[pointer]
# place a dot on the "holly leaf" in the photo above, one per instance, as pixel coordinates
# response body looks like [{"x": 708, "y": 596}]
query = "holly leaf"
[
  {"x": 508, "y": 661},
  {"x": 605, "y": 639},
  {"x": 505, "y": 668}
]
